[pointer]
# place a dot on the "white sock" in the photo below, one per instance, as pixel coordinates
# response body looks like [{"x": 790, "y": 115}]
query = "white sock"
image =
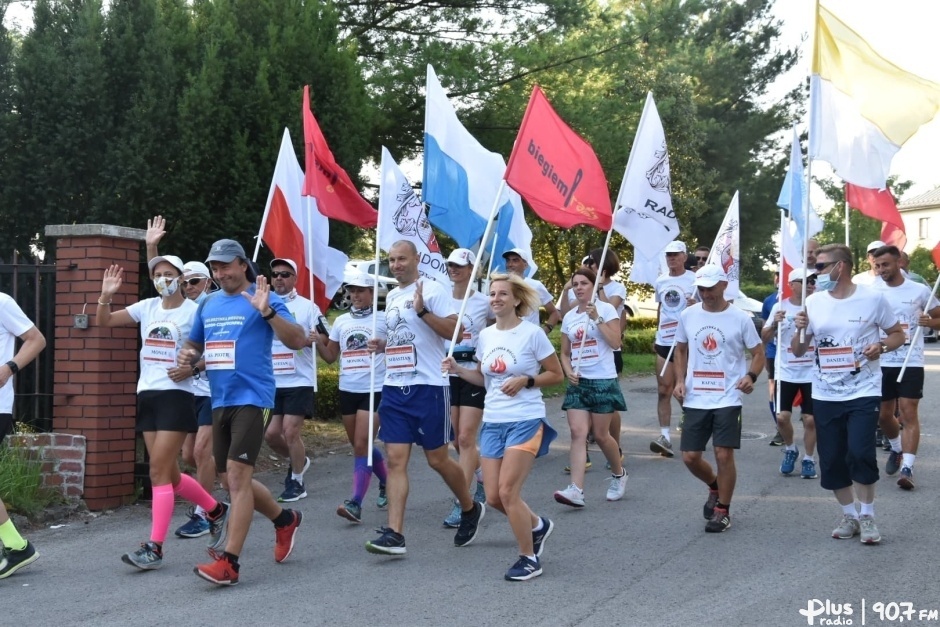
[
  {"x": 665, "y": 433},
  {"x": 298, "y": 477},
  {"x": 868, "y": 509},
  {"x": 895, "y": 444},
  {"x": 907, "y": 460},
  {"x": 849, "y": 510},
  {"x": 199, "y": 511},
  {"x": 539, "y": 526},
  {"x": 790, "y": 447},
  {"x": 807, "y": 458},
  {"x": 533, "y": 558}
]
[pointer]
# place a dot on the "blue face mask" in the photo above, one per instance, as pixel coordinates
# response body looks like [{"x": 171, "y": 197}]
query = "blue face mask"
[
  {"x": 825, "y": 282},
  {"x": 201, "y": 297}
]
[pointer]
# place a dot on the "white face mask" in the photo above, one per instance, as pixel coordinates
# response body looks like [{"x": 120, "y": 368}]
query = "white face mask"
[
  {"x": 165, "y": 286},
  {"x": 825, "y": 282}
]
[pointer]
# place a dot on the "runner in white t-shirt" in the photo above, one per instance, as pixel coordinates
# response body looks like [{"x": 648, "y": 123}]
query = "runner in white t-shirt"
[
  {"x": 349, "y": 342},
  {"x": 415, "y": 406},
  {"x": 295, "y": 380},
  {"x": 909, "y": 301},
  {"x": 515, "y": 431},
  {"x": 673, "y": 291},
  {"x": 17, "y": 551},
  {"x": 466, "y": 399},
  {"x": 795, "y": 375},
  {"x": 711, "y": 373},
  {"x": 165, "y": 406},
  {"x": 870, "y": 277},
  {"x": 844, "y": 322},
  {"x": 590, "y": 332},
  {"x": 517, "y": 262}
]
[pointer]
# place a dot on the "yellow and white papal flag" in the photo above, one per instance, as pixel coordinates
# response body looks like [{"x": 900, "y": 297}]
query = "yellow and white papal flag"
[{"x": 862, "y": 106}]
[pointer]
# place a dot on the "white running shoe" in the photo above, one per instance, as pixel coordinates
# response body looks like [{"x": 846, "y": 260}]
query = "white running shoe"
[
  {"x": 618, "y": 485},
  {"x": 572, "y": 495}
]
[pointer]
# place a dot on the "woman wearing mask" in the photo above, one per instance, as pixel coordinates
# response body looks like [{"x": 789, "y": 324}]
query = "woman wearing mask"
[{"x": 165, "y": 404}]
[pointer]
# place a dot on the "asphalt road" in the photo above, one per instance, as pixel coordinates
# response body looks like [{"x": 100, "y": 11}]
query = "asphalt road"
[{"x": 645, "y": 560}]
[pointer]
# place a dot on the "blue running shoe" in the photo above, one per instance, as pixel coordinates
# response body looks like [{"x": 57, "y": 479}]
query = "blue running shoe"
[
  {"x": 147, "y": 557},
  {"x": 539, "y": 537},
  {"x": 524, "y": 569},
  {"x": 894, "y": 462},
  {"x": 217, "y": 529},
  {"x": 480, "y": 495},
  {"x": 906, "y": 479},
  {"x": 196, "y": 526},
  {"x": 809, "y": 469},
  {"x": 789, "y": 461},
  {"x": 382, "y": 501},
  {"x": 453, "y": 519},
  {"x": 389, "y": 543},
  {"x": 294, "y": 491}
]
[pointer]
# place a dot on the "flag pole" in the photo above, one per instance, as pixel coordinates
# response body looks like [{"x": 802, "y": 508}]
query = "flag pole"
[
  {"x": 375, "y": 308},
  {"x": 846, "y": 219},
  {"x": 308, "y": 240},
  {"x": 476, "y": 268},
  {"x": 597, "y": 283},
  {"x": 783, "y": 225},
  {"x": 917, "y": 333},
  {"x": 489, "y": 269}
]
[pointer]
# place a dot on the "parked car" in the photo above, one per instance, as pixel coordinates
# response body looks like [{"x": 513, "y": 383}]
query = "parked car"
[{"x": 385, "y": 284}]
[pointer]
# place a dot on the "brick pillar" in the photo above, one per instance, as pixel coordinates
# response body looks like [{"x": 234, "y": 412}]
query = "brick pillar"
[{"x": 96, "y": 368}]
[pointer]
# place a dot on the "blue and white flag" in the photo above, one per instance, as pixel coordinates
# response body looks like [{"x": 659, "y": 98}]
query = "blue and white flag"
[
  {"x": 461, "y": 179},
  {"x": 793, "y": 187}
]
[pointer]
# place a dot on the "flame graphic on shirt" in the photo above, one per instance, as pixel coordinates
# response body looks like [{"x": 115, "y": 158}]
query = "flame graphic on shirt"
[
  {"x": 498, "y": 366},
  {"x": 579, "y": 334},
  {"x": 710, "y": 343}
]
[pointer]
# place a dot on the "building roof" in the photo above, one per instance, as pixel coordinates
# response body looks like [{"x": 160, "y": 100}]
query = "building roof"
[{"x": 922, "y": 201}]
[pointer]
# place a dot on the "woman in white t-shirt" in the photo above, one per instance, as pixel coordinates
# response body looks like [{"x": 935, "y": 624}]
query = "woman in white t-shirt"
[
  {"x": 166, "y": 410},
  {"x": 589, "y": 334},
  {"x": 509, "y": 356},
  {"x": 349, "y": 339}
]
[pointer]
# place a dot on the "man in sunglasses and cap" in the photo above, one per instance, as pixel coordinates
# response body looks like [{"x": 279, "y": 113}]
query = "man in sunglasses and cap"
[
  {"x": 295, "y": 373},
  {"x": 234, "y": 331}
]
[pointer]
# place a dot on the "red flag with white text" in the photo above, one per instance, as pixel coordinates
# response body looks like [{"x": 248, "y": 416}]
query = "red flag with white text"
[
  {"x": 556, "y": 171},
  {"x": 293, "y": 228},
  {"x": 336, "y": 195}
]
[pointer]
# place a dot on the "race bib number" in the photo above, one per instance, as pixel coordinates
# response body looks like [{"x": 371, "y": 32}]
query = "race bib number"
[
  {"x": 351, "y": 362},
  {"x": 283, "y": 363},
  {"x": 836, "y": 358},
  {"x": 220, "y": 355},
  {"x": 590, "y": 353},
  {"x": 159, "y": 352},
  {"x": 805, "y": 360},
  {"x": 708, "y": 381},
  {"x": 401, "y": 359},
  {"x": 668, "y": 330}
]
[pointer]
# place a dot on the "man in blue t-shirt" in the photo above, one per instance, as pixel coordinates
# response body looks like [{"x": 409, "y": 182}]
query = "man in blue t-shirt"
[
  {"x": 233, "y": 330},
  {"x": 770, "y": 352}
]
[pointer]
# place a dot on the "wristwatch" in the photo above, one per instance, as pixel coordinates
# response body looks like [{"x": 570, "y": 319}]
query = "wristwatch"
[
  {"x": 270, "y": 315},
  {"x": 884, "y": 348},
  {"x": 530, "y": 383},
  {"x": 13, "y": 367},
  {"x": 195, "y": 372},
  {"x": 424, "y": 311}
]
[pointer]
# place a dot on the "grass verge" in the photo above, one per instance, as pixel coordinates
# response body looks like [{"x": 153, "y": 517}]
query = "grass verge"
[{"x": 21, "y": 483}]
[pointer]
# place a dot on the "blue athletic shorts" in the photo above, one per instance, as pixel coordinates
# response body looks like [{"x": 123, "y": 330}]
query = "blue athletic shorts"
[
  {"x": 204, "y": 411},
  {"x": 416, "y": 414},
  {"x": 496, "y": 437}
]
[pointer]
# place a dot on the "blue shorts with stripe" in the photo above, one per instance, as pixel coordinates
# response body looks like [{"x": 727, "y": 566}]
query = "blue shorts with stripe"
[{"x": 416, "y": 414}]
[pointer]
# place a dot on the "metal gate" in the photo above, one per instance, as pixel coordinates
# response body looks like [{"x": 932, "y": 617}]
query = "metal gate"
[{"x": 32, "y": 284}]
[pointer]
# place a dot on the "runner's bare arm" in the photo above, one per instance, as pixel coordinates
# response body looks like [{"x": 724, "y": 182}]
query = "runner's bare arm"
[
  {"x": 680, "y": 364},
  {"x": 800, "y": 321}
]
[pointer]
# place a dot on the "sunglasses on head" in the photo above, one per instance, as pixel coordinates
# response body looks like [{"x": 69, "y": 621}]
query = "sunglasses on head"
[
  {"x": 282, "y": 275},
  {"x": 193, "y": 281}
]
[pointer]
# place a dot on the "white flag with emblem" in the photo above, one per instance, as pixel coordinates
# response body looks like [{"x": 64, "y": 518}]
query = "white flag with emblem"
[
  {"x": 644, "y": 212},
  {"x": 726, "y": 251},
  {"x": 402, "y": 217}
]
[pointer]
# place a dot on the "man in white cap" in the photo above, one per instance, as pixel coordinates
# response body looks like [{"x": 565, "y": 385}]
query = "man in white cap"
[
  {"x": 869, "y": 277},
  {"x": 711, "y": 373},
  {"x": 673, "y": 292},
  {"x": 518, "y": 262},
  {"x": 295, "y": 375},
  {"x": 794, "y": 374}
]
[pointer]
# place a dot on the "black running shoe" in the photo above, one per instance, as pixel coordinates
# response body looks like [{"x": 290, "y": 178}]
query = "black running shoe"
[
  {"x": 539, "y": 537},
  {"x": 721, "y": 521},
  {"x": 389, "y": 543},
  {"x": 709, "y": 510},
  {"x": 469, "y": 524},
  {"x": 11, "y": 561}
]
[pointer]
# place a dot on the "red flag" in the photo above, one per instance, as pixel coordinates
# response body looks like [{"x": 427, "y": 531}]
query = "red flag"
[
  {"x": 336, "y": 195},
  {"x": 936, "y": 256},
  {"x": 878, "y": 204},
  {"x": 893, "y": 236},
  {"x": 556, "y": 171}
]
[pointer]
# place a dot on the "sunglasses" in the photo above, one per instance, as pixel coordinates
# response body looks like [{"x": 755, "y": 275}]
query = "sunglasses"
[
  {"x": 822, "y": 266},
  {"x": 697, "y": 258},
  {"x": 282, "y": 275},
  {"x": 451, "y": 264},
  {"x": 808, "y": 281},
  {"x": 672, "y": 254},
  {"x": 195, "y": 281}
]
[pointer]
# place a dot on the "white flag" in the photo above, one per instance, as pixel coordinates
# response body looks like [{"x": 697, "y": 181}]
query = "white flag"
[
  {"x": 644, "y": 212},
  {"x": 402, "y": 217},
  {"x": 647, "y": 270},
  {"x": 726, "y": 251}
]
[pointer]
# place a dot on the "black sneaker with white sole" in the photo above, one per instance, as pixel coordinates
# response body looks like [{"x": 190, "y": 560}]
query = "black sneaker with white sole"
[
  {"x": 389, "y": 543},
  {"x": 539, "y": 537},
  {"x": 469, "y": 524},
  {"x": 524, "y": 569}
]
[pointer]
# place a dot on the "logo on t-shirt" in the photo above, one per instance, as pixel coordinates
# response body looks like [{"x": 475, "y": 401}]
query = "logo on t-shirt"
[
  {"x": 672, "y": 298},
  {"x": 356, "y": 341},
  {"x": 709, "y": 341},
  {"x": 498, "y": 366}
]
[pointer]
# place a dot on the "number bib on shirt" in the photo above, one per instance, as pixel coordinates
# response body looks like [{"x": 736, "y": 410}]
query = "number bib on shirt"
[
  {"x": 159, "y": 352},
  {"x": 283, "y": 363},
  {"x": 220, "y": 355},
  {"x": 805, "y": 360},
  {"x": 354, "y": 361},
  {"x": 708, "y": 381},
  {"x": 668, "y": 330},
  {"x": 836, "y": 358},
  {"x": 401, "y": 359},
  {"x": 588, "y": 356}
]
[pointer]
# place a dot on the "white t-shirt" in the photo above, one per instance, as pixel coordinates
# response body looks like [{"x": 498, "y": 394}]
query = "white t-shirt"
[
  {"x": 13, "y": 323},
  {"x": 512, "y": 353},
  {"x": 163, "y": 332},
  {"x": 474, "y": 321},
  {"x": 841, "y": 328},
  {"x": 296, "y": 368},
  {"x": 353, "y": 333},
  {"x": 908, "y": 301},
  {"x": 414, "y": 351},
  {"x": 671, "y": 293},
  {"x": 866, "y": 278},
  {"x": 544, "y": 299},
  {"x": 597, "y": 358},
  {"x": 792, "y": 368},
  {"x": 611, "y": 290},
  {"x": 716, "y": 354}
]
